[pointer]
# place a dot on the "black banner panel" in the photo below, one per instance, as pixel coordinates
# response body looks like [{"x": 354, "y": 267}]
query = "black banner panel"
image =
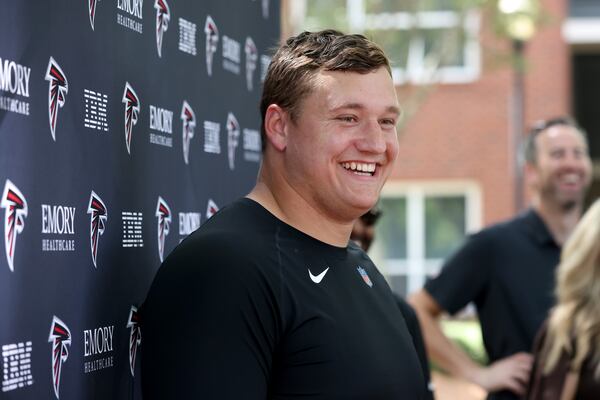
[{"x": 124, "y": 125}]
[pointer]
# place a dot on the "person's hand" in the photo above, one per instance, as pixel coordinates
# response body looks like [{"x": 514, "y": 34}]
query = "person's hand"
[{"x": 511, "y": 373}]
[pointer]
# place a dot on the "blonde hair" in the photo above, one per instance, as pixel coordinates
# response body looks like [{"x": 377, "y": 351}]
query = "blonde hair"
[{"x": 574, "y": 325}]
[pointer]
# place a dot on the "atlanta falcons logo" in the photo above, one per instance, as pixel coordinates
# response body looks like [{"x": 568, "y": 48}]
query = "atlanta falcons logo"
[
  {"x": 60, "y": 337},
  {"x": 14, "y": 218},
  {"x": 212, "y": 40},
  {"x": 132, "y": 110},
  {"x": 188, "y": 117},
  {"x": 57, "y": 92},
  {"x": 98, "y": 216},
  {"x": 251, "y": 57},
  {"x": 92, "y": 11},
  {"x": 163, "y": 15},
  {"x": 211, "y": 208},
  {"x": 163, "y": 213},
  {"x": 233, "y": 134},
  {"x": 135, "y": 336}
]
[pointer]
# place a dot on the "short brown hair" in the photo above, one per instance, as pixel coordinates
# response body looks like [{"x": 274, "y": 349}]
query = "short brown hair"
[
  {"x": 296, "y": 62},
  {"x": 530, "y": 145}
]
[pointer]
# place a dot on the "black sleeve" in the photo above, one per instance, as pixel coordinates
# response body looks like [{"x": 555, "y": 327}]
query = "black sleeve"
[
  {"x": 464, "y": 276},
  {"x": 412, "y": 323},
  {"x": 209, "y": 326}
]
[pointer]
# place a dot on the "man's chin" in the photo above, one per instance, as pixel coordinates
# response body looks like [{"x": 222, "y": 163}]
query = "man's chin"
[{"x": 569, "y": 202}]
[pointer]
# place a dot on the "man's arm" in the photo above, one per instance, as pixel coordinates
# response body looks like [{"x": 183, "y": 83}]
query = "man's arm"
[
  {"x": 510, "y": 373},
  {"x": 414, "y": 328}
]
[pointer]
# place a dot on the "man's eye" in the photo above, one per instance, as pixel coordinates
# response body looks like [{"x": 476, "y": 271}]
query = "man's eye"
[
  {"x": 388, "y": 122},
  {"x": 347, "y": 118}
]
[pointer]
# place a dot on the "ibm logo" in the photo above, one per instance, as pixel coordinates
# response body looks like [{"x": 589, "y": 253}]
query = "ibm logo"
[
  {"x": 16, "y": 366},
  {"x": 187, "y": 36},
  {"x": 95, "y": 110}
]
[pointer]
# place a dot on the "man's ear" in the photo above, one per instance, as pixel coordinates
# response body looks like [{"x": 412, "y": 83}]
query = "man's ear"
[
  {"x": 276, "y": 126},
  {"x": 531, "y": 175}
]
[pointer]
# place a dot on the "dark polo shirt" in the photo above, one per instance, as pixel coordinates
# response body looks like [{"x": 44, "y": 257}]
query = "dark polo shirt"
[{"x": 507, "y": 270}]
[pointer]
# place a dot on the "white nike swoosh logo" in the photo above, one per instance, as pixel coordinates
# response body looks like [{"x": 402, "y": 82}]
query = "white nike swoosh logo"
[{"x": 318, "y": 278}]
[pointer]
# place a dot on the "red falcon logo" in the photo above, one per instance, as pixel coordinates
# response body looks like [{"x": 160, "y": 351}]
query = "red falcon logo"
[
  {"x": 57, "y": 91},
  {"x": 132, "y": 110},
  {"x": 135, "y": 337},
  {"x": 188, "y": 117},
  {"x": 60, "y": 337},
  {"x": 92, "y": 11},
  {"x": 211, "y": 208},
  {"x": 14, "y": 218},
  {"x": 163, "y": 213},
  {"x": 212, "y": 40},
  {"x": 98, "y": 216},
  {"x": 251, "y": 58},
  {"x": 163, "y": 15},
  {"x": 233, "y": 135}
]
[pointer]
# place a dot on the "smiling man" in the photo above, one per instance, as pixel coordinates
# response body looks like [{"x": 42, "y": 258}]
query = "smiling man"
[
  {"x": 268, "y": 299},
  {"x": 507, "y": 270}
]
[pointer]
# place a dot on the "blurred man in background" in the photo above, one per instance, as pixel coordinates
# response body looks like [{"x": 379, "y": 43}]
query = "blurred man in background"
[{"x": 507, "y": 270}]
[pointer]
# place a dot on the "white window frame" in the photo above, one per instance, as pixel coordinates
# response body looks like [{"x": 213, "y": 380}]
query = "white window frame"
[
  {"x": 417, "y": 70},
  {"x": 416, "y": 267}
]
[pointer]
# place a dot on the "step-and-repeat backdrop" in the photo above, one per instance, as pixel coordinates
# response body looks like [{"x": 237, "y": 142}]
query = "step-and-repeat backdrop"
[{"x": 124, "y": 125}]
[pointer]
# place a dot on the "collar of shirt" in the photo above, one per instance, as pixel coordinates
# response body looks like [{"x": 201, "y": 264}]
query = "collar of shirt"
[{"x": 535, "y": 226}]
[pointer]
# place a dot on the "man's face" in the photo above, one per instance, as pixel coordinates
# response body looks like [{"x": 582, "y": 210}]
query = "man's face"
[
  {"x": 562, "y": 172},
  {"x": 342, "y": 146}
]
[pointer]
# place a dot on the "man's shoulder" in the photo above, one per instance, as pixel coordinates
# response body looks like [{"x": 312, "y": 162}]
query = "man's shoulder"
[
  {"x": 503, "y": 229},
  {"x": 235, "y": 236},
  {"x": 526, "y": 223},
  {"x": 240, "y": 225}
]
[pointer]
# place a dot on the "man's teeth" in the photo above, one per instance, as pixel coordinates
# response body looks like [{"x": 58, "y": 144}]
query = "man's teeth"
[
  {"x": 360, "y": 167},
  {"x": 570, "y": 178}
]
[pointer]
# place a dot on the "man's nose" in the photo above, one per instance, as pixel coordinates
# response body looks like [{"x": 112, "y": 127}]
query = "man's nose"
[{"x": 372, "y": 139}]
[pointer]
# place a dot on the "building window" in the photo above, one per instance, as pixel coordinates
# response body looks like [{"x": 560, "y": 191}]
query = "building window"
[
  {"x": 426, "y": 41},
  {"x": 445, "y": 225},
  {"x": 421, "y": 225},
  {"x": 392, "y": 229}
]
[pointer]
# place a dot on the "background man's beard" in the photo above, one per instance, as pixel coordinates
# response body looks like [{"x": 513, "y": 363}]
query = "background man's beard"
[
  {"x": 565, "y": 205},
  {"x": 568, "y": 205}
]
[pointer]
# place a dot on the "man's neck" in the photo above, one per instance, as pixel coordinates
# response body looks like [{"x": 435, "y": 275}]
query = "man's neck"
[
  {"x": 560, "y": 221},
  {"x": 292, "y": 209}
]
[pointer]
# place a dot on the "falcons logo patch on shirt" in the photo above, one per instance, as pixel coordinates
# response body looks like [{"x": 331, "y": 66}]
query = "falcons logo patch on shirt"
[
  {"x": 60, "y": 337},
  {"x": 14, "y": 218}
]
